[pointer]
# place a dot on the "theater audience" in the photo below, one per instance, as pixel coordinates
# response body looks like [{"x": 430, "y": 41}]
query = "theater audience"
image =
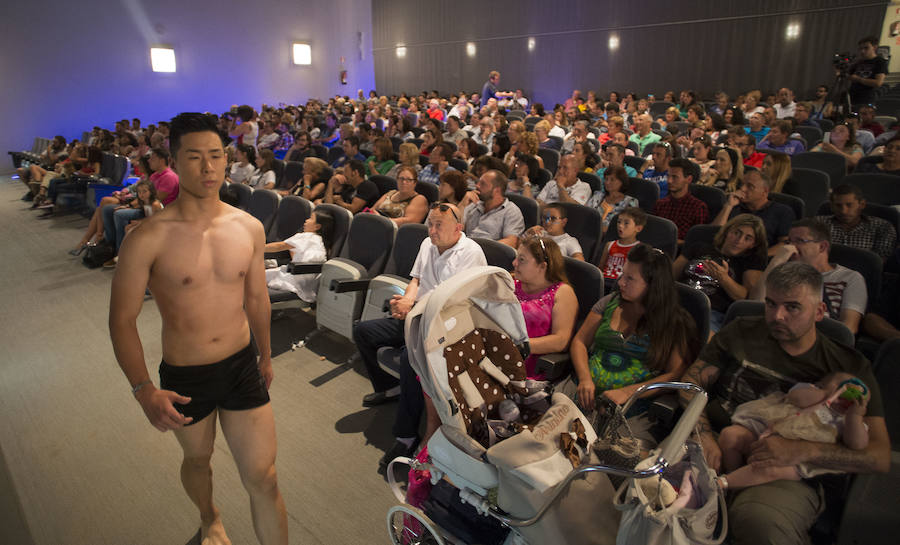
[
  {"x": 404, "y": 204},
  {"x": 848, "y": 225},
  {"x": 566, "y": 187},
  {"x": 350, "y": 189},
  {"x": 658, "y": 172},
  {"x": 264, "y": 175},
  {"x": 635, "y": 336},
  {"x": 809, "y": 241},
  {"x": 753, "y": 198},
  {"x": 727, "y": 172},
  {"x": 842, "y": 141},
  {"x": 611, "y": 199},
  {"x": 629, "y": 223},
  {"x": 438, "y": 163},
  {"x": 890, "y": 163},
  {"x": 494, "y": 217},
  {"x": 684, "y": 209},
  {"x": 350, "y": 146},
  {"x": 455, "y": 190},
  {"x": 548, "y": 301},
  {"x": 300, "y": 149},
  {"x": 729, "y": 268},
  {"x": 777, "y": 166},
  {"x": 778, "y": 139},
  {"x": 553, "y": 225},
  {"x": 408, "y": 154},
  {"x": 382, "y": 159},
  {"x": 244, "y": 164},
  {"x": 643, "y": 134}
]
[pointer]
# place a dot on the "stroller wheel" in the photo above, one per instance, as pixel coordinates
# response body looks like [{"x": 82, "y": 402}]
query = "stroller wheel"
[{"x": 408, "y": 525}]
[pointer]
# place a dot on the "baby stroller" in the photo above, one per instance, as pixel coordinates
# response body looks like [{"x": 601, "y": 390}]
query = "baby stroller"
[{"x": 466, "y": 341}]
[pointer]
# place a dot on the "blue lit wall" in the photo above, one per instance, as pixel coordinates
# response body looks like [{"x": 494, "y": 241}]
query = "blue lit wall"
[{"x": 67, "y": 66}]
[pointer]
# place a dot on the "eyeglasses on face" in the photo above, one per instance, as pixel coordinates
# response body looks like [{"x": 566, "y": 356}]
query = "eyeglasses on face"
[
  {"x": 798, "y": 241},
  {"x": 551, "y": 219},
  {"x": 406, "y": 179},
  {"x": 443, "y": 208}
]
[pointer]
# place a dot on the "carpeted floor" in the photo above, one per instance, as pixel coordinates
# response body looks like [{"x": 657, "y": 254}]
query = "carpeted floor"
[{"x": 83, "y": 465}]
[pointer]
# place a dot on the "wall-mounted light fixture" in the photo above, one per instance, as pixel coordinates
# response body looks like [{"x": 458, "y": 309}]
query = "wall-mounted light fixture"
[
  {"x": 302, "y": 53},
  {"x": 531, "y": 44},
  {"x": 613, "y": 42},
  {"x": 792, "y": 32},
  {"x": 162, "y": 59},
  {"x": 471, "y": 49},
  {"x": 401, "y": 51}
]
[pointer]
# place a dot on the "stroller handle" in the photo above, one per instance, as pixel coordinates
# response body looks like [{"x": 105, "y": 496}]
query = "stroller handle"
[{"x": 670, "y": 449}]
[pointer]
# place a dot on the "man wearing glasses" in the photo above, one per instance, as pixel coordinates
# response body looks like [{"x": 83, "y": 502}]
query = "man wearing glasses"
[
  {"x": 444, "y": 253},
  {"x": 844, "y": 291}
]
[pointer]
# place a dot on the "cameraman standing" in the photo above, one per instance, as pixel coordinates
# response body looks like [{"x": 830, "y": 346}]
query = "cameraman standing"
[{"x": 867, "y": 72}]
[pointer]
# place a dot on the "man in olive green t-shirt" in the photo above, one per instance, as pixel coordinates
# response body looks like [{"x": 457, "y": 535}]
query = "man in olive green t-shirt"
[{"x": 752, "y": 357}]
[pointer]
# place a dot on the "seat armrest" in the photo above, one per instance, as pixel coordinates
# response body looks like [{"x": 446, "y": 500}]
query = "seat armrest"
[
  {"x": 345, "y": 286},
  {"x": 554, "y": 366},
  {"x": 304, "y": 268}
]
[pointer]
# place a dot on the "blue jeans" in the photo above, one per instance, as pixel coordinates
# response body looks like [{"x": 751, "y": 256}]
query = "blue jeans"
[{"x": 114, "y": 222}]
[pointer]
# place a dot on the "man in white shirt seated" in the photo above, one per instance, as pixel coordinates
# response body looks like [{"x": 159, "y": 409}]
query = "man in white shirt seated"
[
  {"x": 444, "y": 253},
  {"x": 566, "y": 187},
  {"x": 785, "y": 106}
]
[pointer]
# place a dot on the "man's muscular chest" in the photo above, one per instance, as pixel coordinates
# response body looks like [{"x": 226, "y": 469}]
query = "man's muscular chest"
[{"x": 199, "y": 258}]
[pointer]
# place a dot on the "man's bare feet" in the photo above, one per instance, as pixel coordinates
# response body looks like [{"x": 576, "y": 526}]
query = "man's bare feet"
[{"x": 214, "y": 533}]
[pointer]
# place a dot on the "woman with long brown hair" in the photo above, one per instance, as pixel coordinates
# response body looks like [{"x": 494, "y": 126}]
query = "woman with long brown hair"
[{"x": 635, "y": 336}]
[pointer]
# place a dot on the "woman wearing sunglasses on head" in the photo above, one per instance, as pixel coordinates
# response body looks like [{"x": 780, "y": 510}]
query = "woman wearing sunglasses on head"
[{"x": 548, "y": 301}]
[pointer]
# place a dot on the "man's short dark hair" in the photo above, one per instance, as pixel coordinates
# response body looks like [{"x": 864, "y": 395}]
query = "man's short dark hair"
[
  {"x": 190, "y": 122},
  {"x": 454, "y": 118},
  {"x": 637, "y": 215},
  {"x": 446, "y": 150},
  {"x": 664, "y": 145},
  {"x": 818, "y": 229},
  {"x": 847, "y": 189},
  {"x": 353, "y": 141},
  {"x": 782, "y": 125},
  {"x": 617, "y": 147},
  {"x": 563, "y": 213},
  {"x": 358, "y": 166},
  {"x": 245, "y": 112},
  {"x": 868, "y": 40},
  {"x": 490, "y": 162},
  {"x": 687, "y": 169},
  {"x": 788, "y": 276},
  {"x": 612, "y": 107},
  {"x": 697, "y": 109}
]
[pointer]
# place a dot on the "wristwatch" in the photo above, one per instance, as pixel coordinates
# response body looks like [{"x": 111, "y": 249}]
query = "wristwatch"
[{"x": 526, "y": 184}]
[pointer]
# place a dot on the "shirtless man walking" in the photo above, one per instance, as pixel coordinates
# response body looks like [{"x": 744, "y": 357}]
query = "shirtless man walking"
[{"x": 203, "y": 260}]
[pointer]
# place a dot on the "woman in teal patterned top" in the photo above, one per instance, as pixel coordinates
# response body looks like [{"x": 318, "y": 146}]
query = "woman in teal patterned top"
[{"x": 636, "y": 336}]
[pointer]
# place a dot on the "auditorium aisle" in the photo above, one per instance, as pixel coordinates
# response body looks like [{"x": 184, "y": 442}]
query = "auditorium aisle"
[{"x": 83, "y": 465}]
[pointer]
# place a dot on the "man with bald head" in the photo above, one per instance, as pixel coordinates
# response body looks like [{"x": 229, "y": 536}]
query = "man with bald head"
[
  {"x": 444, "y": 253},
  {"x": 785, "y": 106},
  {"x": 494, "y": 217},
  {"x": 643, "y": 133}
]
